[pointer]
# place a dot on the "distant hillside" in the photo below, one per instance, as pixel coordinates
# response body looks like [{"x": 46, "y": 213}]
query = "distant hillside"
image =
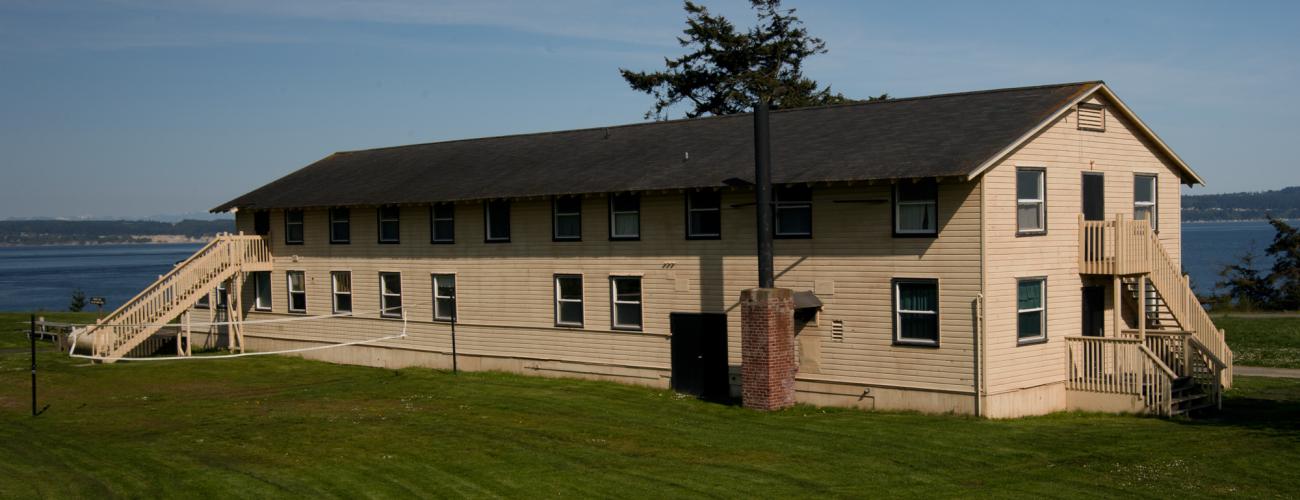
[
  {"x": 95, "y": 232},
  {"x": 1283, "y": 204}
]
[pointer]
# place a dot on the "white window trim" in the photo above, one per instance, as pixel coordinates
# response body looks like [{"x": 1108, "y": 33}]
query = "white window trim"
[
  {"x": 555, "y": 220},
  {"x": 487, "y": 222},
  {"x": 334, "y": 292},
  {"x": 383, "y": 306},
  {"x": 433, "y": 224},
  {"x": 778, "y": 205},
  {"x": 454, "y": 292},
  {"x": 899, "y": 203},
  {"x": 333, "y": 237},
  {"x": 257, "y": 291},
  {"x": 1042, "y": 307},
  {"x": 582, "y": 285},
  {"x": 1041, "y": 201},
  {"x": 613, "y": 215},
  {"x": 614, "y": 302},
  {"x": 690, "y": 209},
  {"x": 288, "y": 282},
  {"x": 1155, "y": 199},
  {"x": 899, "y": 311},
  {"x": 397, "y": 219}
]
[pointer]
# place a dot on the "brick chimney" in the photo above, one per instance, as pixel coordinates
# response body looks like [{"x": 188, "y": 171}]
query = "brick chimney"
[{"x": 767, "y": 348}]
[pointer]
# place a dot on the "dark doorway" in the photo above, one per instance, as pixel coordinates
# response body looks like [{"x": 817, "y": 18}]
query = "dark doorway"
[
  {"x": 1094, "y": 196},
  {"x": 699, "y": 355},
  {"x": 1094, "y": 311}
]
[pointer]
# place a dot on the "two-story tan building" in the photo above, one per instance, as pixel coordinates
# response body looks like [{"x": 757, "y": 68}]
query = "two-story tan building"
[{"x": 979, "y": 253}]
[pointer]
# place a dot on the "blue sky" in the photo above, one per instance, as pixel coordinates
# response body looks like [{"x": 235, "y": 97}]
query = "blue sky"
[{"x": 141, "y": 107}]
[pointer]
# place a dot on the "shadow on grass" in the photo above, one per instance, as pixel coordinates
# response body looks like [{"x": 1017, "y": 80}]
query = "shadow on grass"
[{"x": 1266, "y": 410}]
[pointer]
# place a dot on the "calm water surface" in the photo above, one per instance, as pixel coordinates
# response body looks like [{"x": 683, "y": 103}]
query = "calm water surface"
[{"x": 33, "y": 278}]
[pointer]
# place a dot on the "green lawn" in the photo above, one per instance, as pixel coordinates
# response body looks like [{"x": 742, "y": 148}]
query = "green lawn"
[
  {"x": 274, "y": 426},
  {"x": 14, "y": 326},
  {"x": 1263, "y": 341}
]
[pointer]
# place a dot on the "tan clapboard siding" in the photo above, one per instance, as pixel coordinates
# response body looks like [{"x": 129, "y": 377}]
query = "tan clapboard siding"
[
  {"x": 506, "y": 295},
  {"x": 1066, "y": 152}
]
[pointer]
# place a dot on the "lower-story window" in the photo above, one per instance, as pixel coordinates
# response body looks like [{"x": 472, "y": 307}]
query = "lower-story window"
[
  {"x": 444, "y": 297},
  {"x": 341, "y": 284},
  {"x": 568, "y": 299},
  {"x": 390, "y": 295},
  {"x": 297, "y": 291},
  {"x": 916, "y": 311},
  {"x": 262, "y": 290},
  {"x": 625, "y": 296},
  {"x": 1031, "y": 310}
]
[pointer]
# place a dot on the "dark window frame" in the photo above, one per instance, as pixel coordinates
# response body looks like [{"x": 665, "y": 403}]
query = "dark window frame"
[
  {"x": 894, "y": 201},
  {"x": 611, "y": 215},
  {"x": 301, "y": 224},
  {"x": 379, "y": 225},
  {"x": 1042, "y": 310},
  {"x": 690, "y": 234},
  {"x": 437, "y": 316},
  {"x": 487, "y": 221},
  {"x": 778, "y": 205},
  {"x": 613, "y": 303},
  {"x": 557, "y": 299},
  {"x": 433, "y": 223},
  {"x": 556, "y": 214},
  {"x": 262, "y": 222},
  {"x": 1042, "y": 203},
  {"x": 895, "y": 313},
  {"x": 288, "y": 286},
  {"x": 334, "y": 220}
]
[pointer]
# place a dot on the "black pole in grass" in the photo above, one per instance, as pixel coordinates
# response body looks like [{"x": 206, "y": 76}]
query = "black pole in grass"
[
  {"x": 31, "y": 337},
  {"x": 454, "y": 315}
]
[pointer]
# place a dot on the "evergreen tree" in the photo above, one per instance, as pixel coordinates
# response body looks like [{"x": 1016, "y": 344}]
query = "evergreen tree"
[
  {"x": 1244, "y": 285},
  {"x": 728, "y": 70},
  {"x": 78, "y": 301},
  {"x": 1285, "y": 276}
]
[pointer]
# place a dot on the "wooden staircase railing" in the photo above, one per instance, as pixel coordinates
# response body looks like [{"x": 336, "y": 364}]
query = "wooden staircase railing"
[
  {"x": 1120, "y": 366},
  {"x": 1130, "y": 247},
  {"x": 175, "y": 292}
]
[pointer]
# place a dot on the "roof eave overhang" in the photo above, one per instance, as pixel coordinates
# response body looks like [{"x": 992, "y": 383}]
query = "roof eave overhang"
[{"x": 1190, "y": 177}]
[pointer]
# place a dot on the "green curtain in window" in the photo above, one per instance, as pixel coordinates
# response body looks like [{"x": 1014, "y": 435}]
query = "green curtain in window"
[
  {"x": 918, "y": 297},
  {"x": 1030, "y": 294}
]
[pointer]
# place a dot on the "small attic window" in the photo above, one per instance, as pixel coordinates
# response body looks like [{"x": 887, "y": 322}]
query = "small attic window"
[{"x": 1092, "y": 117}]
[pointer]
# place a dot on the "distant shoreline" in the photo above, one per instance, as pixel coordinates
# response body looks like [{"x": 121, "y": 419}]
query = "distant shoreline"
[{"x": 180, "y": 240}]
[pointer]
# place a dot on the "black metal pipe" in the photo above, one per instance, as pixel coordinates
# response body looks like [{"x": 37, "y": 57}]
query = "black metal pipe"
[
  {"x": 454, "y": 314},
  {"x": 31, "y": 335},
  {"x": 763, "y": 194}
]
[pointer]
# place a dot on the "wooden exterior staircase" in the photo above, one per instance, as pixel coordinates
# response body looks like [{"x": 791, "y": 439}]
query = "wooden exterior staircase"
[
  {"x": 226, "y": 257},
  {"x": 1175, "y": 360}
]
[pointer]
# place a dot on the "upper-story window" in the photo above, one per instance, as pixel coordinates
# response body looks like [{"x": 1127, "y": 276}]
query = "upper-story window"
[
  {"x": 442, "y": 223},
  {"x": 625, "y": 216},
  {"x": 293, "y": 232},
  {"x": 262, "y": 222},
  {"x": 1031, "y": 200},
  {"x": 1144, "y": 199},
  {"x": 390, "y": 224},
  {"x": 566, "y": 219},
  {"x": 703, "y": 215},
  {"x": 793, "y": 211},
  {"x": 340, "y": 225},
  {"x": 496, "y": 221},
  {"x": 916, "y": 311},
  {"x": 916, "y": 208}
]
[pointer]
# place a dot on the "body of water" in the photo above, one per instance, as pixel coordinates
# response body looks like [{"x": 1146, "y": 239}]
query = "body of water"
[{"x": 33, "y": 278}]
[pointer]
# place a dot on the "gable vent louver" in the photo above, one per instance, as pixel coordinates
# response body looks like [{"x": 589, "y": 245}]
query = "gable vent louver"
[
  {"x": 1092, "y": 117},
  {"x": 837, "y": 330}
]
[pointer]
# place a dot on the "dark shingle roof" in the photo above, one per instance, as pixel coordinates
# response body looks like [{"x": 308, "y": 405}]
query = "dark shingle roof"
[{"x": 942, "y": 135}]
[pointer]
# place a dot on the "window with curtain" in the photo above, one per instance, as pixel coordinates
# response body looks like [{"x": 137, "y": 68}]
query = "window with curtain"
[
  {"x": 341, "y": 285},
  {"x": 390, "y": 224},
  {"x": 390, "y": 295},
  {"x": 792, "y": 207},
  {"x": 496, "y": 219},
  {"x": 340, "y": 225},
  {"x": 1031, "y": 316},
  {"x": 916, "y": 311},
  {"x": 568, "y": 300},
  {"x": 916, "y": 207},
  {"x": 625, "y": 297},
  {"x": 442, "y": 223},
  {"x": 262, "y": 290},
  {"x": 444, "y": 297},
  {"x": 624, "y": 217},
  {"x": 1031, "y": 196},
  {"x": 293, "y": 231},
  {"x": 566, "y": 218},
  {"x": 1144, "y": 199},
  {"x": 297, "y": 291},
  {"x": 704, "y": 215}
]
